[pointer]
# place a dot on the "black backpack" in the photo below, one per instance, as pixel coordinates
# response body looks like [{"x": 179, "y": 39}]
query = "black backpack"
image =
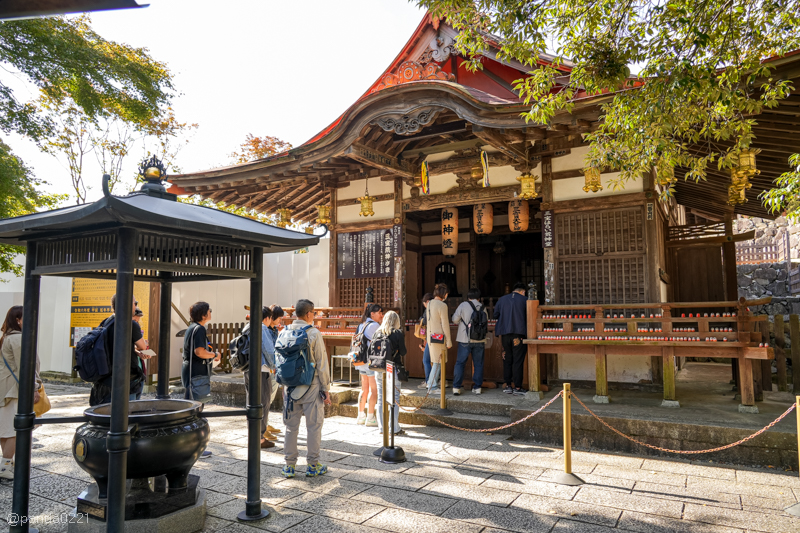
[
  {"x": 381, "y": 351},
  {"x": 240, "y": 351},
  {"x": 478, "y": 326},
  {"x": 91, "y": 353},
  {"x": 359, "y": 346}
]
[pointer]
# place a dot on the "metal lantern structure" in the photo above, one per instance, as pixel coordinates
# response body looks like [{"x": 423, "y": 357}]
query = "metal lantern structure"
[
  {"x": 366, "y": 202},
  {"x": 285, "y": 217},
  {"x": 527, "y": 184},
  {"x": 323, "y": 214},
  {"x": 518, "y": 215},
  {"x": 483, "y": 218},
  {"x": 449, "y": 232},
  {"x": 477, "y": 173},
  {"x": 738, "y": 189},
  {"x": 592, "y": 177},
  {"x": 747, "y": 162}
]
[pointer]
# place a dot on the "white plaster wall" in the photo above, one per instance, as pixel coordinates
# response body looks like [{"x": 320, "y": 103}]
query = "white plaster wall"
[
  {"x": 356, "y": 189},
  {"x": 575, "y": 159},
  {"x": 620, "y": 368},
  {"x": 348, "y": 214},
  {"x": 572, "y": 188}
]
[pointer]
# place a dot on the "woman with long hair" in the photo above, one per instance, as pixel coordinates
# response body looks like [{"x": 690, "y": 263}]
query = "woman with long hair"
[
  {"x": 391, "y": 329},
  {"x": 370, "y": 321},
  {"x": 11, "y": 350}
]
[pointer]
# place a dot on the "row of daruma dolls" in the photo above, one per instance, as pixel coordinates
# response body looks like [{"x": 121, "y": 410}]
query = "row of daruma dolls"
[{"x": 482, "y": 221}]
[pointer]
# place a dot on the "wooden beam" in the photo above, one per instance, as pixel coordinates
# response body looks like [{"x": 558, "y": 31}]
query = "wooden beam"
[
  {"x": 495, "y": 139},
  {"x": 377, "y": 159},
  {"x": 354, "y": 201},
  {"x": 413, "y": 153},
  {"x": 433, "y": 131}
]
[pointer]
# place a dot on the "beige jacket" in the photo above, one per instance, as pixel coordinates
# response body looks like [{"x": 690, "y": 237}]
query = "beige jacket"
[
  {"x": 319, "y": 356},
  {"x": 438, "y": 322},
  {"x": 11, "y": 351}
]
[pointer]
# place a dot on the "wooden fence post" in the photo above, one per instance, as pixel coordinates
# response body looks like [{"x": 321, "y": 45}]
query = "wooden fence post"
[
  {"x": 766, "y": 364},
  {"x": 794, "y": 329},
  {"x": 780, "y": 355}
]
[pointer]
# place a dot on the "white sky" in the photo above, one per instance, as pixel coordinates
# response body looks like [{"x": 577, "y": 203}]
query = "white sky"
[{"x": 266, "y": 67}]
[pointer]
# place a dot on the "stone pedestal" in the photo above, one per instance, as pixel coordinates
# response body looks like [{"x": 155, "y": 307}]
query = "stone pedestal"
[
  {"x": 672, "y": 404},
  {"x": 600, "y": 399},
  {"x": 751, "y": 409},
  {"x": 534, "y": 395}
]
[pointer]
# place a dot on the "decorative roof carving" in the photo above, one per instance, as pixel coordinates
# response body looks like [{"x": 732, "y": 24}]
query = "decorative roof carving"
[
  {"x": 413, "y": 71},
  {"x": 407, "y": 124}
]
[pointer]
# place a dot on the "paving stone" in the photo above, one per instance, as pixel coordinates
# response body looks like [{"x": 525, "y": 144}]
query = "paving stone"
[
  {"x": 593, "y": 480},
  {"x": 671, "y": 492},
  {"x": 646, "y": 523},
  {"x": 326, "y": 485},
  {"x": 553, "y": 463},
  {"x": 401, "y": 521},
  {"x": 652, "y": 476},
  {"x": 691, "y": 469},
  {"x": 509, "y": 519},
  {"x": 530, "y": 486},
  {"x": 581, "y": 512},
  {"x": 785, "y": 499},
  {"x": 279, "y": 519},
  {"x": 214, "y": 524},
  {"x": 371, "y": 461},
  {"x": 601, "y": 458},
  {"x": 272, "y": 494},
  {"x": 768, "y": 522},
  {"x": 629, "y": 502},
  {"x": 404, "y": 499},
  {"x": 751, "y": 489},
  {"x": 58, "y": 488},
  {"x": 478, "y": 493},
  {"x": 322, "y": 524},
  {"x": 563, "y": 526},
  {"x": 214, "y": 498},
  {"x": 449, "y": 473},
  {"x": 333, "y": 507},
  {"x": 768, "y": 478},
  {"x": 397, "y": 481}
]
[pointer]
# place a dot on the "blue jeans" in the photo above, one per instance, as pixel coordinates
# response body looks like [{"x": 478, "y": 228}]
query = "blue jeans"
[
  {"x": 379, "y": 407},
  {"x": 426, "y": 361},
  {"x": 465, "y": 349}
]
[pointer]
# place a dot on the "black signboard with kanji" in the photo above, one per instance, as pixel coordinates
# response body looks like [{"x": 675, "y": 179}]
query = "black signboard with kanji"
[
  {"x": 548, "y": 229},
  {"x": 368, "y": 254}
]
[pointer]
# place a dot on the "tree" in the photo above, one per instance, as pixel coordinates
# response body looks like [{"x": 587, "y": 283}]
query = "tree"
[
  {"x": 258, "y": 148},
  {"x": 703, "y": 70},
  {"x": 21, "y": 196}
]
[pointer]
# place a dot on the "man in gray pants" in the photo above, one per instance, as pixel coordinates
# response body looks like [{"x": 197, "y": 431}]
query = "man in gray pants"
[
  {"x": 312, "y": 402},
  {"x": 267, "y": 367}
]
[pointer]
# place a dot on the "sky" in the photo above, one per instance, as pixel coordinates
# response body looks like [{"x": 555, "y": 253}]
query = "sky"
[{"x": 267, "y": 67}]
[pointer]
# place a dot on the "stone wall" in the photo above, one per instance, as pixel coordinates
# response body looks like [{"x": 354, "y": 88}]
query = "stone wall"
[
  {"x": 764, "y": 279},
  {"x": 770, "y": 231}
]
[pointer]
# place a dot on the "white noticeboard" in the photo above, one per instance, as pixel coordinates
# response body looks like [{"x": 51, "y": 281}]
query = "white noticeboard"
[{"x": 389, "y": 392}]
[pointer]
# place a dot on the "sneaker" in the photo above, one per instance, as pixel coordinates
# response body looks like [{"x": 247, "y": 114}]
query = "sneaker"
[
  {"x": 287, "y": 471},
  {"x": 267, "y": 444},
  {"x": 519, "y": 392},
  {"x": 362, "y": 417},
  {"x": 400, "y": 432},
  {"x": 7, "y": 469},
  {"x": 476, "y": 391},
  {"x": 316, "y": 470},
  {"x": 372, "y": 421},
  {"x": 456, "y": 392},
  {"x": 508, "y": 390},
  {"x": 270, "y": 436},
  {"x": 423, "y": 385},
  {"x": 274, "y": 431}
]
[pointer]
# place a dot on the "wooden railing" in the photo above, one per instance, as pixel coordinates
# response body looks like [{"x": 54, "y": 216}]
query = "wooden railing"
[
  {"x": 220, "y": 337},
  {"x": 750, "y": 253},
  {"x": 794, "y": 281}
]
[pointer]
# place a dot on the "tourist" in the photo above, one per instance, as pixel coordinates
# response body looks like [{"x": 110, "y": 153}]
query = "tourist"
[
  {"x": 437, "y": 332},
  {"x": 267, "y": 367},
  {"x": 311, "y": 403},
  {"x": 197, "y": 358},
  {"x": 371, "y": 321},
  {"x": 468, "y": 346},
  {"x": 510, "y": 312},
  {"x": 426, "y": 353},
  {"x": 101, "y": 389},
  {"x": 277, "y": 321},
  {"x": 11, "y": 350},
  {"x": 137, "y": 317},
  {"x": 390, "y": 329}
]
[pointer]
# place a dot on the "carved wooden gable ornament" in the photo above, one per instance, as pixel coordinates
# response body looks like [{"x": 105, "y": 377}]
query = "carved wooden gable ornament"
[{"x": 413, "y": 71}]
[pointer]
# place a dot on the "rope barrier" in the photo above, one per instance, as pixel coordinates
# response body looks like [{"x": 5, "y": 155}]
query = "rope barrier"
[{"x": 686, "y": 452}]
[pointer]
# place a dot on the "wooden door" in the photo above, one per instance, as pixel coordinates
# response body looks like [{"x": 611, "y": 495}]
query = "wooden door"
[{"x": 697, "y": 274}]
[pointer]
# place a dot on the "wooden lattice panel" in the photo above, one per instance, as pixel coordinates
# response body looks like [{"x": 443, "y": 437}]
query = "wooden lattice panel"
[
  {"x": 352, "y": 292},
  {"x": 600, "y": 257}
]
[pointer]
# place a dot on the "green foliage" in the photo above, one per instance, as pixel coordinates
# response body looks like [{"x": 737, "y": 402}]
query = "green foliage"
[
  {"x": 229, "y": 208},
  {"x": 786, "y": 194},
  {"x": 704, "y": 70},
  {"x": 21, "y": 195}
]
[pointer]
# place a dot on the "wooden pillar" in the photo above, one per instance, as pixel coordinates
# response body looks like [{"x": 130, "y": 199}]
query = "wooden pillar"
[
  {"x": 794, "y": 329},
  {"x": 601, "y": 374},
  {"x": 758, "y": 389},
  {"x": 766, "y": 365},
  {"x": 153, "y": 333},
  {"x": 653, "y": 247},
  {"x": 780, "y": 353},
  {"x": 731, "y": 285},
  {"x": 534, "y": 358},
  {"x": 670, "y": 393},
  {"x": 746, "y": 388},
  {"x": 400, "y": 279},
  {"x": 333, "y": 281}
]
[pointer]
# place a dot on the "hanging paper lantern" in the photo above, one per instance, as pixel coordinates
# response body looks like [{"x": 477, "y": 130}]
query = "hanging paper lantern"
[
  {"x": 425, "y": 179},
  {"x": 527, "y": 186},
  {"x": 285, "y": 217},
  {"x": 324, "y": 214},
  {"x": 485, "y": 166},
  {"x": 592, "y": 177},
  {"x": 483, "y": 218},
  {"x": 449, "y": 232},
  {"x": 518, "y": 215}
]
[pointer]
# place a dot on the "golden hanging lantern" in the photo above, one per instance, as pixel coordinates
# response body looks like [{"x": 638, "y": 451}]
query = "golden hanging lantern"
[
  {"x": 310, "y": 230},
  {"x": 747, "y": 161},
  {"x": 736, "y": 195},
  {"x": 477, "y": 172},
  {"x": 592, "y": 177},
  {"x": 417, "y": 181},
  {"x": 366, "y": 202},
  {"x": 527, "y": 186},
  {"x": 284, "y": 217},
  {"x": 323, "y": 214},
  {"x": 483, "y": 218}
]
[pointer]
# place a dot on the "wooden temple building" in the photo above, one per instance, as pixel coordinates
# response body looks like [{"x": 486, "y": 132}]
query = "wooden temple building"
[{"x": 622, "y": 249}]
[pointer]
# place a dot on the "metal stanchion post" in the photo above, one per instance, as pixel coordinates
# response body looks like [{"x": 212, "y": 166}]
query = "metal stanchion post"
[
  {"x": 795, "y": 509},
  {"x": 567, "y": 477},
  {"x": 391, "y": 454},
  {"x": 443, "y": 410},
  {"x": 384, "y": 409}
]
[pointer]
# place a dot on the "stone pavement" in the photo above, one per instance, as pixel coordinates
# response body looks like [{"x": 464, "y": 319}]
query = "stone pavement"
[{"x": 453, "y": 482}]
